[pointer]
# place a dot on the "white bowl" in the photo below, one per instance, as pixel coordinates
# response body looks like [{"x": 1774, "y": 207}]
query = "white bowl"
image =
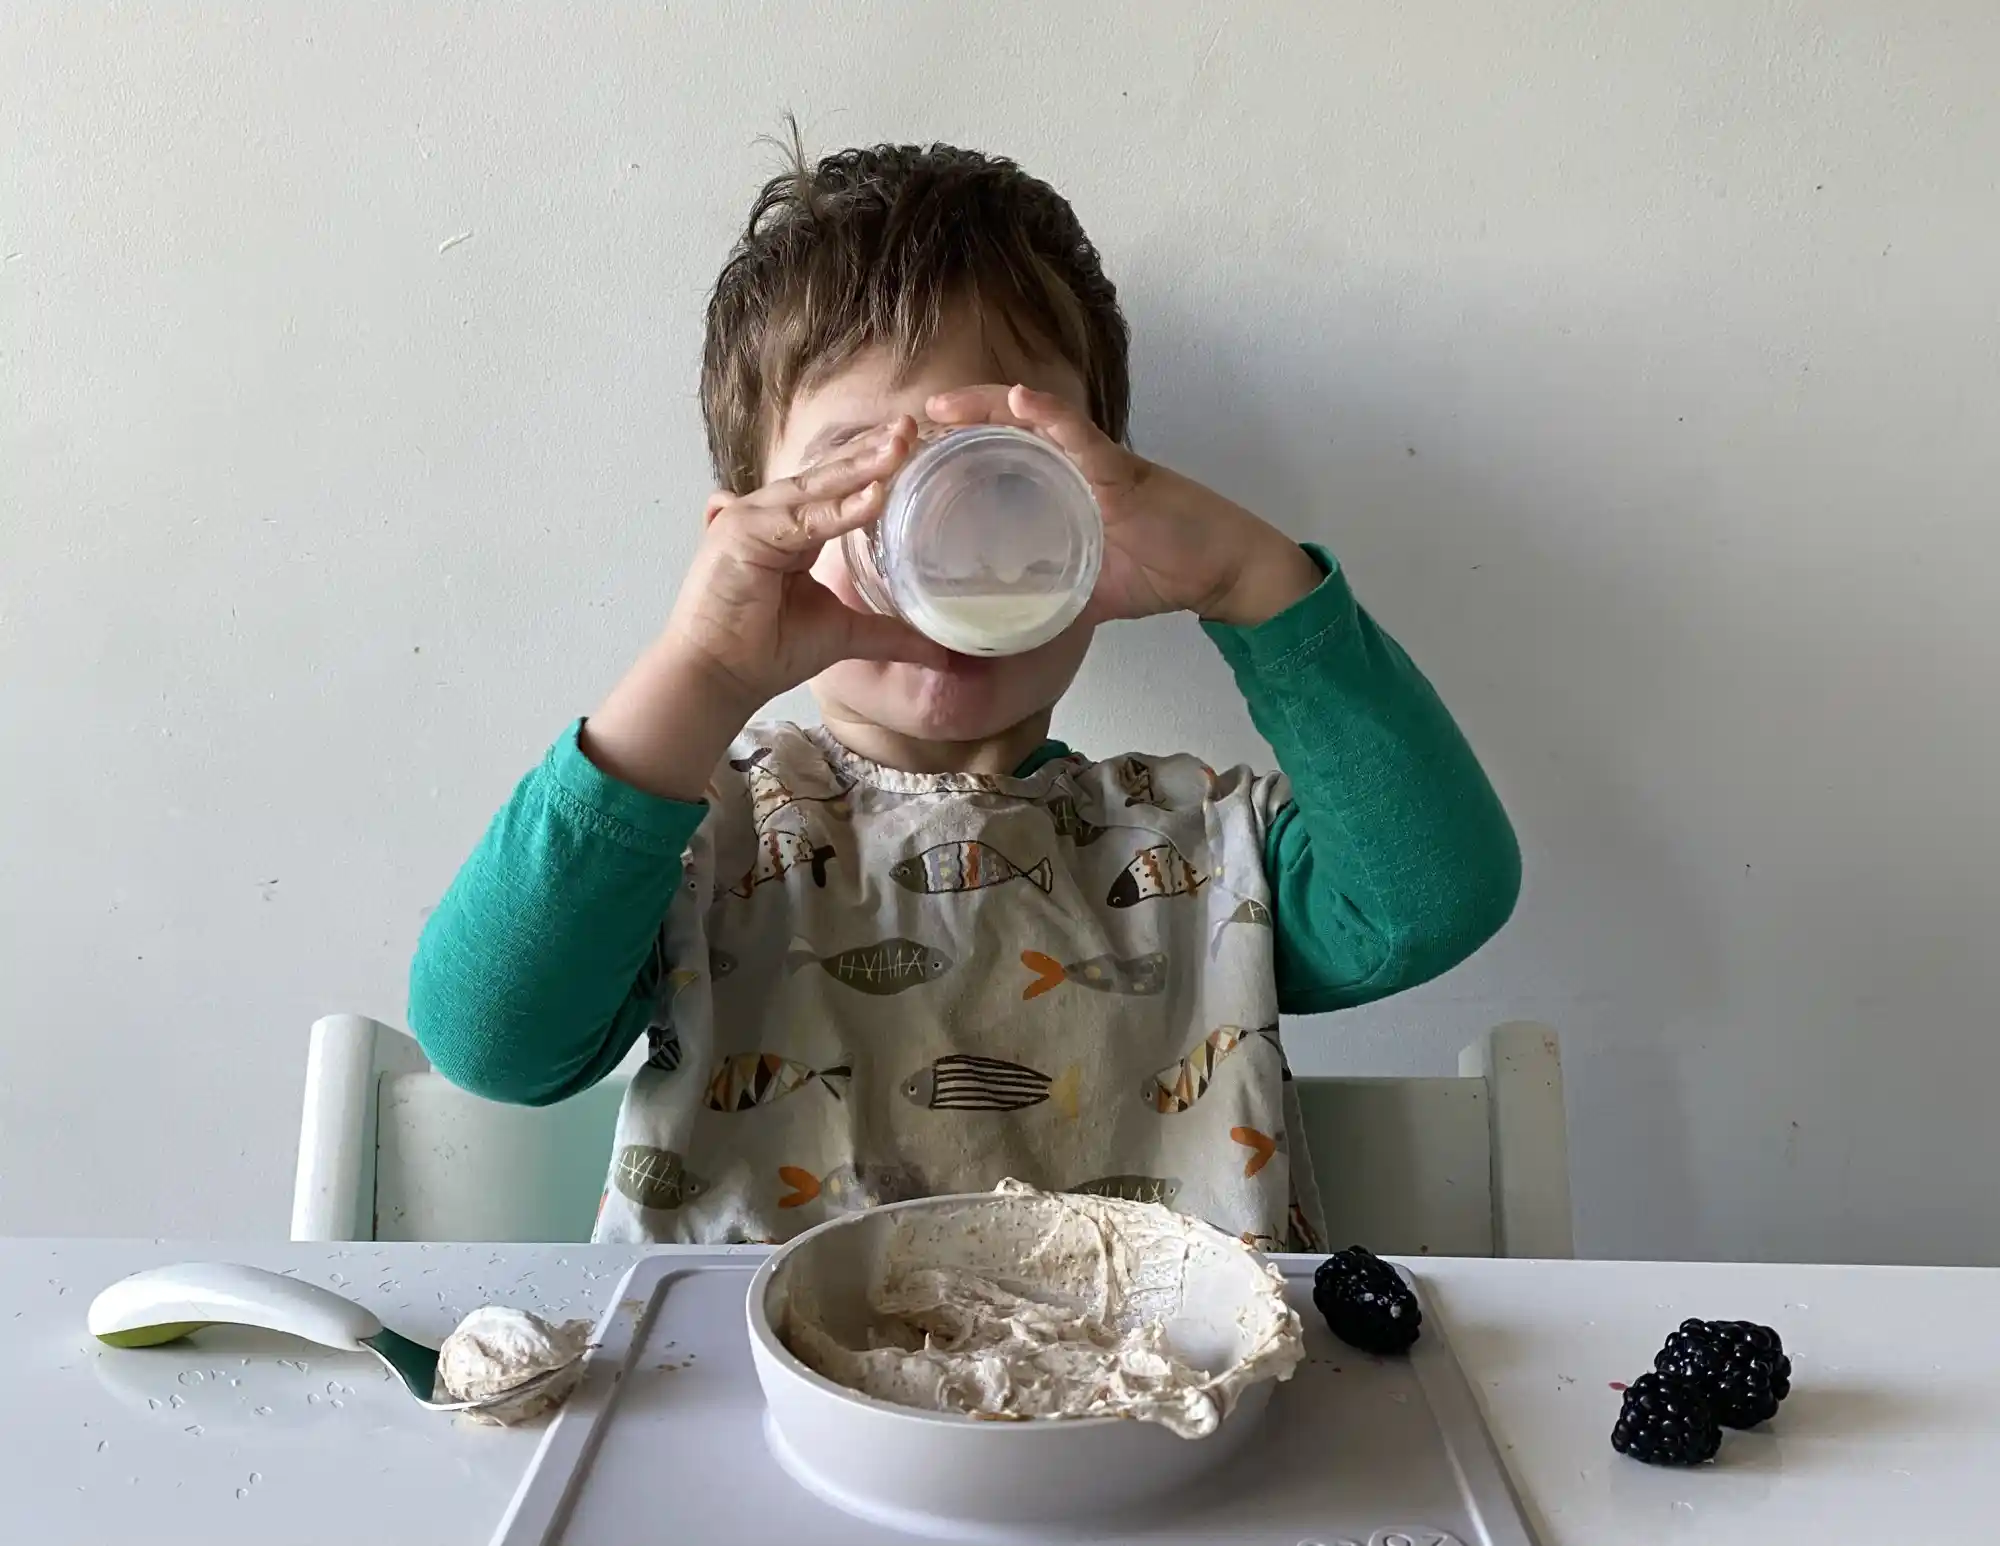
[{"x": 920, "y": 1470}]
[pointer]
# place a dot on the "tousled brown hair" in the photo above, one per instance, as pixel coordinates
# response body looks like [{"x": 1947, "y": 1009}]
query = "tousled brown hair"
[{"x": 875, "y": 247}]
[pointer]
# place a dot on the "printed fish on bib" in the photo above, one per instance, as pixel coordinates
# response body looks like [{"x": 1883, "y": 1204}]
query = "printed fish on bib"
[
  {"x": 769, "y": 794},
  {"x": 1161, "y": 870},
  {"x": 780, "y": 852},
  {"x": 1154, "y": 1189},
  {"x": 751, "y": 1079},
  {"x": 963, "y": 1081},
  {"x": 852, "y": 1188},
  {"x": 1071, "y": 823},
  {"x": 966, "y": 865},
  {"x": 1136, "y": 779},
  {"x": 1179, "y": 1085},
  {"x": 1138, "y": 976},
  {"x": 1249, "y": 911},
  {"x": 654, "y": 1178},
  {"x": 889, "y": 966}
]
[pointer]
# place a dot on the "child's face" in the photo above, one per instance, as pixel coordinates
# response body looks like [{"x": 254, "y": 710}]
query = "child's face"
[{"x": 972, "y": 698}]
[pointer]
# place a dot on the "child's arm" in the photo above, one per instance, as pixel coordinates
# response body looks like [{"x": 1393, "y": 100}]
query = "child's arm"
[
  {"x": 534, "y": 976},
  {"x": 1395, "y": 860}
]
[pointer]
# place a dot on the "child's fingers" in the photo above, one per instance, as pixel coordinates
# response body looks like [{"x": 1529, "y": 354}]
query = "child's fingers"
[
  {"x": 876, "y": 456},
  {"x": 972, "y": 405},
  {"x": 798, "y": 532},
  {"x": 1101, "y": 459}
]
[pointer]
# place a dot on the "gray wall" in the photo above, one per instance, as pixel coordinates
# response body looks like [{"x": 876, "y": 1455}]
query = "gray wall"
[{"x": 1641, "y": 359}]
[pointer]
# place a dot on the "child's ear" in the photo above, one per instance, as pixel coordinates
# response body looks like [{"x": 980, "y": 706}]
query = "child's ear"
[{"x": 716, "y": 501}]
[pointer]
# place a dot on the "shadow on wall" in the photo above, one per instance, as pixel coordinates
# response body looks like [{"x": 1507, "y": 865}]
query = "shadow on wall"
[{"x": 1353, "y": 438}]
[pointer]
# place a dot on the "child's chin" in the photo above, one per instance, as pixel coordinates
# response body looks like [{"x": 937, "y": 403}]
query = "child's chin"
[{"x": 967, "y": 701}]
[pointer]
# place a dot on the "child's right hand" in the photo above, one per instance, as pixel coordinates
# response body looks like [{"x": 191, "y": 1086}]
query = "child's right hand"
[
  {"x": 750, "y": 609},
  {"x": 751, "y": 621}
]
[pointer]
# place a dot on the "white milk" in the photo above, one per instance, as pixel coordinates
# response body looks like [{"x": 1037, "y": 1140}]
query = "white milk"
[{"x": 992, "y": 624}]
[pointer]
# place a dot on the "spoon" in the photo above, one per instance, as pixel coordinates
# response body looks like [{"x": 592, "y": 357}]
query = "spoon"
[{"x": 164, "y": 1304}]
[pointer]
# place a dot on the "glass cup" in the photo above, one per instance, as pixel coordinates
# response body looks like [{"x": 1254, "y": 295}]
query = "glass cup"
[{"x": 990, "y": 542}]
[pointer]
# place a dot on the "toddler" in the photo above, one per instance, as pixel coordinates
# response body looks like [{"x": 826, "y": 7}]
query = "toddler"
[{"x": 921, "y": 946}]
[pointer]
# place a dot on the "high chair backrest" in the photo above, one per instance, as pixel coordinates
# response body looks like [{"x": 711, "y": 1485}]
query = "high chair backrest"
[{"x": 389, "y": 1150}]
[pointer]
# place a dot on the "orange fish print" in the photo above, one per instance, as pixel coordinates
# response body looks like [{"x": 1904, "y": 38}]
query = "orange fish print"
[
  {"x": 1179, "y": 1085},
  {"x": 1161, "y": 870},
  {"x": 757, "y": 1078},
  {"x": 966, "y": 865},
  {"x": 1261, "y": 1146},
  {"x": 1139, "y": 976},
  {"x": 852, "y": 1188},
  {"x": 780, "y": 852}
]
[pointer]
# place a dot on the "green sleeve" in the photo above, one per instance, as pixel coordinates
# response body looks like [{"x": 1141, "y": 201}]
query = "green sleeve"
[
  {"x": 534, "y": 976},
  {"x": 1394, "y": 860}
]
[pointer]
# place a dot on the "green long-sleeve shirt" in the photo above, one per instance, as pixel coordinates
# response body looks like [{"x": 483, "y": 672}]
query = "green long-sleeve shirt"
[{"x": 1393, "y": 862}]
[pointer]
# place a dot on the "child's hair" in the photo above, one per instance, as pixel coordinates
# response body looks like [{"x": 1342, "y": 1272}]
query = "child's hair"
[{"x": 877, "y": 246}]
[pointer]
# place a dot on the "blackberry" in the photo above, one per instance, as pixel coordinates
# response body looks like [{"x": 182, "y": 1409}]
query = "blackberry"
[
  {"x": 1365, "y": 1303},
  {"x": 1740, "y": 1365},
  {"x": 1666, "y": 1420}
]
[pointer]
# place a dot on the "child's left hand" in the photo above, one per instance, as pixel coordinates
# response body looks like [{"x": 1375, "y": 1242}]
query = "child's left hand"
[{"x": 1170, "y": 544}]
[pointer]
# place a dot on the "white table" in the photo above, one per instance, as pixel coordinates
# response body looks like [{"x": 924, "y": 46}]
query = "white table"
[{"x": 1893, "y": 1432}]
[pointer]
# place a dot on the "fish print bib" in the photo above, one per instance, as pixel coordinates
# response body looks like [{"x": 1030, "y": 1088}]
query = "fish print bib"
[{"x": 876, "y": 985}]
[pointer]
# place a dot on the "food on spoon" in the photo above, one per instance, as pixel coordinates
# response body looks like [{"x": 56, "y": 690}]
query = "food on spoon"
[
  {"x": 496, "y": 1349},
  {"x": 1365, "y": 1303},
  {"x": 1666, "y": 1420},
  {"x": 1739, "y": 1365}
]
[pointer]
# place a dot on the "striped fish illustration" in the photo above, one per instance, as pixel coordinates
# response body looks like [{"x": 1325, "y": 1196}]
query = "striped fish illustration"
[
  {"x": 1139, "y": 976},
  {"x": 1179, "y": 1085},
  {"x": 966, "y": 865},
  {"x": 663, "y": 1047},
  {"x": 1250, "y": 911},
  {"x": 1157, "y": 871},
  {"x": 961, "y": 1081},
  {"x": 851, "y": 1188},
  {"x": 1261, "y": 1146},
  {"x": 1136, "y": 779},
  {"x": 778, "y": 852},
  {"x": 1154, "y": 1189},
  {"x": 769, "y": 794},
  {"x": 888, "y": 966},
  {"x": 757, "y": 1078},
  {"x": 1071, "y": 823},
  {"x": 654, "y": 1178}
]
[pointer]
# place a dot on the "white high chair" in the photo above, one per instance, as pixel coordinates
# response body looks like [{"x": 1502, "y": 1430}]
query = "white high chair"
[{"x": 1476, "y": 1165}]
